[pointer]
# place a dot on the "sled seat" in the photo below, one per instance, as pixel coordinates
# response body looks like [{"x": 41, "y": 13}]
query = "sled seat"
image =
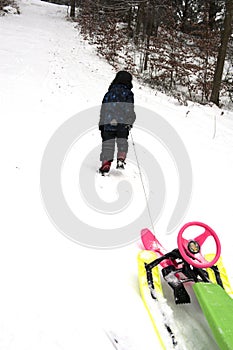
[{"x": 217, "y": 307}]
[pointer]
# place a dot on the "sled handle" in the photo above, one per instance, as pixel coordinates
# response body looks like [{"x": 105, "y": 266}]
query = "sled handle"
[{"x": 190, "y": 249}]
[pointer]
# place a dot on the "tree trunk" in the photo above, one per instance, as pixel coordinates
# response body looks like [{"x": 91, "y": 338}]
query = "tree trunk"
[
  {"x": 213, "y": 9},
  {"x": 184, "y": 17},
  {"x": 149, "y": 28},
  {"x": 72, "y": 8},
  {"x": 226, "y": 32},
  {"x": 140, "y": 14}
]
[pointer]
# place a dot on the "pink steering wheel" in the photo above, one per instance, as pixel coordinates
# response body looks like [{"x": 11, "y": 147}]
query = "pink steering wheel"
[{"x": 190, "y": 250}]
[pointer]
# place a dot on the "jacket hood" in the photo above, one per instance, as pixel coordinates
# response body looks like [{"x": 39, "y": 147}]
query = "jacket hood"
[{"x": 122, "y": 77}]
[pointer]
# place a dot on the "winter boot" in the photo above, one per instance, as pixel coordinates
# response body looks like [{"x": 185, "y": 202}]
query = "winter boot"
[
  {"x": 121, "y": 160},
  {"x": 120, "y": 164},
  {"x": 104, "y": 169}
]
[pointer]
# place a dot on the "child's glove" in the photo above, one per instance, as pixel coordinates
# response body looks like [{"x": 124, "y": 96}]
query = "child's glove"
[{"x": 128, "y": 126}]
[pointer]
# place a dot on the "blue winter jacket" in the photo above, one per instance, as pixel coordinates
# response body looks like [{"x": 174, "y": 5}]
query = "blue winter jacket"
[{"x": 117, "y": 108}]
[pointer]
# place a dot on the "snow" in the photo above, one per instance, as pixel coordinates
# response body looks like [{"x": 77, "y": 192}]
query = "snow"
[{"x": 56, "y": 294}]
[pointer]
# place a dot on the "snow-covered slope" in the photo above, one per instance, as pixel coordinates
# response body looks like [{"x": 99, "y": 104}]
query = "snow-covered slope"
[{"x": 56, "y": 294}]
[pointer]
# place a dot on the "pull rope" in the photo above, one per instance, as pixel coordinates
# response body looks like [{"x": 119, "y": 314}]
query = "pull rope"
[{"x": 143, "y": 186}]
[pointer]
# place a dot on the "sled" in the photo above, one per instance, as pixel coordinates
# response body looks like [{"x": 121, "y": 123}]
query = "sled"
[{"x": 187, "y": 265}]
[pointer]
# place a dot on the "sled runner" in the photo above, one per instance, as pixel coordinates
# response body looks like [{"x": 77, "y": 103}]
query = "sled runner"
[{"x": 187, "y": 265}]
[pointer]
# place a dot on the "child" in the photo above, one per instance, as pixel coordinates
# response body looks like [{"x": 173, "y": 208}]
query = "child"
[{"x": 116, "y": 118}]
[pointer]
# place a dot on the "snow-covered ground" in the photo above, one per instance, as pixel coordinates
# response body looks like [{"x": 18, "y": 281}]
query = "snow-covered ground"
[{"x": 56, "y": 294}]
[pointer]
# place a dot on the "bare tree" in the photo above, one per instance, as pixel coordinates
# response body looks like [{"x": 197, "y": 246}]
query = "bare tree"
[
  {"x": 226, "y": 32},
  {"x": 72, "y": 8}
]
